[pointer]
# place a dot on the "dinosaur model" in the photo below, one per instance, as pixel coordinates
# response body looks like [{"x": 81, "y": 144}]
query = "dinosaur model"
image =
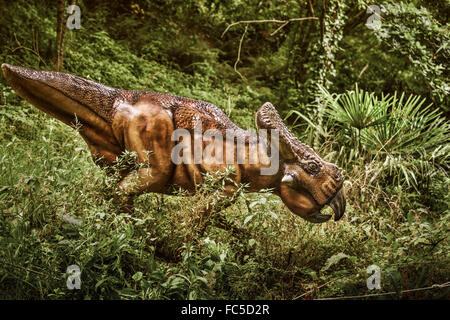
[{"x": 114, "y": 120}]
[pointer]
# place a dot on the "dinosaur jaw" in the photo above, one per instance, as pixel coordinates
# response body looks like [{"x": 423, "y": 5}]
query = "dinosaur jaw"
[
  {"x": 70, "y": 99},
  {"x": 303, "y": 204},
  {"x": 338, "y": 204}
]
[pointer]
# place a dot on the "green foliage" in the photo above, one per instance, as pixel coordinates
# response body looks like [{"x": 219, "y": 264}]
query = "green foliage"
[
  {"x": 414, "y": 33},
  {"x": 403, "y": 141},
  {"x": 57, "y": 208}
]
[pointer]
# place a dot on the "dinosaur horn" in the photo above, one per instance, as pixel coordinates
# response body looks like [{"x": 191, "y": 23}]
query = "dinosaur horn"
[
  {"x": 67, "y": 98},
  {"x": 268, "y": 118}
]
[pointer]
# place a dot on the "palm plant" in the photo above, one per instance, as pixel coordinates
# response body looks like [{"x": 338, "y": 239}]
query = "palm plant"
[{"x": 405, "y": 141}]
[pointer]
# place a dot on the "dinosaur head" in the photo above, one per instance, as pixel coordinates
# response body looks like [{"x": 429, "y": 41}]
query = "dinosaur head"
[
  {"x": 74, "y": 101},
  {"x": 307, "y": 183}
]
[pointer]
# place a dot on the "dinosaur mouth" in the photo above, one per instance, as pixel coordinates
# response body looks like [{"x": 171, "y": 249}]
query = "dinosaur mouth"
[
  {"x": 302, "y": 203},
  {"x": 337, "y": 203}
]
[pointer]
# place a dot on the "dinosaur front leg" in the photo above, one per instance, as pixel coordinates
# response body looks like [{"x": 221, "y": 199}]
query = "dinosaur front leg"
[
  {"x": 133, "y": 184},
  {"x": 145, "y": 128}
]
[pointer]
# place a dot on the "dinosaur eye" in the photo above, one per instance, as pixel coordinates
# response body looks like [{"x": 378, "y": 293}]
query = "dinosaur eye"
[{"x": 313, "y": 167}]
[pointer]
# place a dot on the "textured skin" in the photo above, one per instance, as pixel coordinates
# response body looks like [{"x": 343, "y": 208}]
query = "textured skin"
[
  {"x": 268, "y": 118},
  {"x": 114, "y": 120}
]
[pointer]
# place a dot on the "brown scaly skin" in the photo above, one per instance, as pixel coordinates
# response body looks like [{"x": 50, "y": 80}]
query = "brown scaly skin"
[{"x": 115, "y": 120}]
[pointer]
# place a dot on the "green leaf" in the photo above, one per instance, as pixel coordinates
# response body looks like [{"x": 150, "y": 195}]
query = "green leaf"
[
  {"x": 335, "y": 259},
  {"x": 248, "y": 218},
  {"x": 137, "y": 276}
]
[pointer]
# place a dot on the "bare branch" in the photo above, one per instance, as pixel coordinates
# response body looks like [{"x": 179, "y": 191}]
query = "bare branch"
[
  {"x": 20, "y": 46},
  {"x": 311, "y": 8},
  {"x": 247, "y": 22},
  {"x": 280, "y": 27},
  {"x": 283, "y": 22},
  {"x": 363, "y": 70},
  {"x": 239, "y": 52}
]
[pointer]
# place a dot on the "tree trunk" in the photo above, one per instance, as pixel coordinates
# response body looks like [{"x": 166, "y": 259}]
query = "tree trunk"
[
  {"x": 61, "y": 20},
  {"x": 60, "y": 32}
]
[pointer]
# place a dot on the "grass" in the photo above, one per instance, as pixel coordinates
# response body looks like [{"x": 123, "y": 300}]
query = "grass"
[
  {"x": 48, "y": 178},
  {"x": 57, "y": 207}
]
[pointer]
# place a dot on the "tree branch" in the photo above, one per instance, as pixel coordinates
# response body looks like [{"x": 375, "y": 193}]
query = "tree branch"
[
  {"x": 239, "y": 52},
  {"x": 283, "y": 22},
  {"x": 247, "y": 22}
]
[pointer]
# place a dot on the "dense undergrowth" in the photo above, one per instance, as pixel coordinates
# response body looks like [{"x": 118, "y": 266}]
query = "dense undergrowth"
[{"x": 57, "y": 207}]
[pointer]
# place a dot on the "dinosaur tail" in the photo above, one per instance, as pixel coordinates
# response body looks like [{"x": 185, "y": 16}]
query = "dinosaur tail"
[
  {"x": 62, "y": 95},
  {"x": 70, "y": 99}
]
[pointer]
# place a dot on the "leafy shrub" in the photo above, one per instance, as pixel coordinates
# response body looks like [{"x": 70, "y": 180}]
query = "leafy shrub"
[{"x": 405, "y": 142}]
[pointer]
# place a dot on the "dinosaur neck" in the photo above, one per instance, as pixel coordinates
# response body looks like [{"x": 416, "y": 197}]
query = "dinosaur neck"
[{"x": 262, "y": 167}]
